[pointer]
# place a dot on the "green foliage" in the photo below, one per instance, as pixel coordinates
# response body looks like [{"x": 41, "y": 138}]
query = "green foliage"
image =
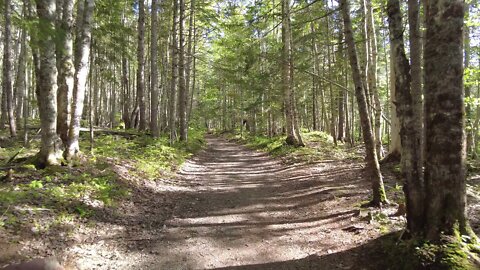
[
  {"x": 152, "y": 158},
  {"x": 450, "y": 254},
  {"x": 63, "y": 191},
  {"x": 67, "y": 193},
  {"x": 320, "y": 146}
]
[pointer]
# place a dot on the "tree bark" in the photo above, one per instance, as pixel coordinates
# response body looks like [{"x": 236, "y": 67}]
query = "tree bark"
[
  {"x": 468, "y": 89},
  {"x": 20, "y": 81},
  {"x": 372, "y": 77},
  {"x": 173, "y": 82},
  {"x": 409, "y": 133},
  {"x": 417, "y": 74},
  {"x": 444, "y": 120},
  {"x": 8, "y": 68},
  {"x": 141, "y": 65},
  {"x": 287, "y": 84},
  {"x": 395, "y": 147},
  {"x": 82, "y": 57},
  {"x": 154, "y": 71},
  {"x": 341, "y": 94},
  {"x": 182, "y": 90},
  {"x": 373, "y": 167},
  {"x": 47, "y": 84},
  {"x": 66, "y": 70},
  {"x": 125, "y": 94},
  {"x": 190, "y": 60}
]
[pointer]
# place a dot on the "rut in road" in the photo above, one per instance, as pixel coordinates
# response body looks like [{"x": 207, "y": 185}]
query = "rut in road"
[{"x": 247, "y": 210}]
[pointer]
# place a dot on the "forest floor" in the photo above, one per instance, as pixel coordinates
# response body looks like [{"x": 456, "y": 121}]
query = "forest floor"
[{"x": 228, "y": 207}]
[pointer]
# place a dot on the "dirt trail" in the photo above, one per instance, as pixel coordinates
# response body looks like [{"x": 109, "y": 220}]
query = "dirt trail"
[
  {"x": 229, "y": 208},
  {"x": 248, "y": 211}
]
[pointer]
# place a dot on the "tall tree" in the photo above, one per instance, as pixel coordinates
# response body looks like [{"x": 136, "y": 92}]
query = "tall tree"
[
  {"x": 82, "y": 57},
  {"x": 444, "y": 120},
  {"x": 190, "y": 64},
  {"x": 409, "y": 133},
  {"x": 20, "y": 81},
  {"x": 182, "y": 90},
  {"x": 373, "y": 167},
  {"x": 173, "y": 80},
  {"x": 154, "y": 70},
  {"x": 47, "y": 83},
  {"x": 66, "y": 69},
  {"x": 416, "y": 48},
  {"x": 287, "y": 82},
  {"x": 468, "y": 88},
  {"x": 8, "y": 67},
  {"x": 141, "y": 65},
  {"x": 372, "y": 76}
]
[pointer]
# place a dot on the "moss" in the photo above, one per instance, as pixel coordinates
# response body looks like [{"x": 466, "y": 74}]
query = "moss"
[{"x": 448, "y": 254}]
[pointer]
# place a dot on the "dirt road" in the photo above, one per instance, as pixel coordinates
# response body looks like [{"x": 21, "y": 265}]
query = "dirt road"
[
  {"x": 235, "y": 208},
  {"x": 246, "y": 209}
]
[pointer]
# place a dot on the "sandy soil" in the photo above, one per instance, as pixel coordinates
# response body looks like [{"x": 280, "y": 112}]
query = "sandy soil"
[{"x": 229, "y": 208}]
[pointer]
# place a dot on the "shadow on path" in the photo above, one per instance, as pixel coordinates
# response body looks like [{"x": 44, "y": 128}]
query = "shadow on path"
[{"x": 246, "y": 208}]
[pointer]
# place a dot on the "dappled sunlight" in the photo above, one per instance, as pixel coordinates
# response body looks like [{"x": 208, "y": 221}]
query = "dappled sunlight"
[{"x": 257, "y": 210}]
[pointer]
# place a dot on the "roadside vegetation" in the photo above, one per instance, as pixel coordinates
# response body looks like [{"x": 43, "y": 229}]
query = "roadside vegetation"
[{"x": 39, "y": 199}]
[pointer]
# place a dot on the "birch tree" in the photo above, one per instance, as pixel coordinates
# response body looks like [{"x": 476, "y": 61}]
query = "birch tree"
[{"x": 82, "y": 57}]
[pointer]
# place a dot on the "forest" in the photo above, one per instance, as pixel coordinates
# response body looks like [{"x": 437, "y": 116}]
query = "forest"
[{"x": 240, "y": 134}]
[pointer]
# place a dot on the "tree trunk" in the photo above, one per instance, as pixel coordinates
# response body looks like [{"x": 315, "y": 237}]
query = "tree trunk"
[
  {"x": 125, "y": 94},
  {"x": 372, "y": 77},
  {"x": 154, "y": 71},
  {"x": 182, "y": 90},
  {"x": 66, "y": 70},
  {"x": 20, "y": 82},
  {"x": 82, "y": 57},
  {"x": 287, "y": 83},
  {"x": 468, "y": 90},
  {"x": 330, "y": 85},
  {"x": 141, "y": 65},
  {"x": 395, "y": 147},
  {"x": 4, "y": 116},
  {"x": 93, "y": 87},
  {"x": 173, "y": 82},
  {"x": 113, "y": 98},
  {"x": 444, "y": 120},
  {"x": 416, "y": 88},
  {"x": 341, "y": 95},
  {"x": 191, "y": 59},
  {"x": 314, "y": 79},
  {"x": 409, "y": 134},
  {"x": 373, "y": 167},
  {"x": 47, "y": 84},
  {"x": 7, "y": 68}
]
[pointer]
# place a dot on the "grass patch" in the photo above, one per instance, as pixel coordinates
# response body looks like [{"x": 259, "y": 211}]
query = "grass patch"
[
  {"x": 152, "y": 158},
  {"x": 319, "y": 146},
  {"x": 41, "y": 198},
  {"x": 61, "y": 190}
]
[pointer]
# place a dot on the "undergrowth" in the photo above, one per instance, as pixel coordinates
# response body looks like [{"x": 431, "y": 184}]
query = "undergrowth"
[
  {"x": 451, "y": 253},
  {"x": 151, "y": 158},
  {"x": 62, "y": 194},
  {"x": 319, "y": 146}
]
